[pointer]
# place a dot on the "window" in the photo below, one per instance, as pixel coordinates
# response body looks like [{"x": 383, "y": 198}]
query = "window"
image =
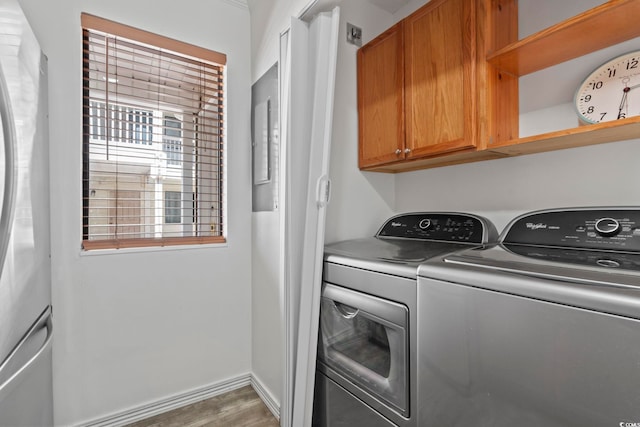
[
  {"x": 153, "y": 139},
  {"x": 172, "y": 141},
  {"x": 172, "y": 207},
  {"x": 140, "y": 128}
]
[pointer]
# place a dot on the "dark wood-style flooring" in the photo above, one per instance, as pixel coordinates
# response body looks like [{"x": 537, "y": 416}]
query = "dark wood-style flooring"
[{"x": 238, "y": 408}]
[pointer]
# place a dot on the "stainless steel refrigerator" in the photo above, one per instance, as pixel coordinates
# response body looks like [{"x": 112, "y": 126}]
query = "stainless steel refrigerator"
[{"x": 25, "y": 273}]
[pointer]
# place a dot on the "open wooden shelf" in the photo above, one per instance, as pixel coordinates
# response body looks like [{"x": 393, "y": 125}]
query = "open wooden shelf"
[
  {"x": 447, "y": 159},
  {"x": 581, "y": 136},
  {"x": 610, "y": 23},
  {"x": 598, "y": 133}
]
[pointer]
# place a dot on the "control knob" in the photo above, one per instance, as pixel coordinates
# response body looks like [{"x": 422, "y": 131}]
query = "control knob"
[
  {"x": 607, "y": 227},
  {"x": 424, "y": 223}
]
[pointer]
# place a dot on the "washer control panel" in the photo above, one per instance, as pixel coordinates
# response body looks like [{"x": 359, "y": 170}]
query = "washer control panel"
[
  {"x": 448, "y": 227},
  {"x": 601, "y": 229},
  {"x": 608, "y": 260}
]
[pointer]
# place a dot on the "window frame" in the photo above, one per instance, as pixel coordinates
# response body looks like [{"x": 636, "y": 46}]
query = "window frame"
[{"x": 94, "y": 23}]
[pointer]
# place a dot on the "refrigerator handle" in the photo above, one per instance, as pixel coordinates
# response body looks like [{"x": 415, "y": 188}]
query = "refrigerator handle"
[
  {"x": 43, "y": 321},
  {"x": 9, "y": 134}
]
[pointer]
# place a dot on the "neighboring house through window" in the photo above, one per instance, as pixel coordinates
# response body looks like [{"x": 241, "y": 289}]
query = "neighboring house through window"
[
  {"x": 122, "y": 124},
  {"x": 152, "y": 139}
]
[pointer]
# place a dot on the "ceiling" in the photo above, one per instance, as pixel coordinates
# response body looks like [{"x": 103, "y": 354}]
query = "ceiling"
[
  {"x": 391, "y": 6},
  {"x": 315, "y": 6}
]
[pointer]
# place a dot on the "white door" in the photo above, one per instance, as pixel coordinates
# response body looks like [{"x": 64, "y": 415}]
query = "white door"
[{"x": 309, "y": 77}]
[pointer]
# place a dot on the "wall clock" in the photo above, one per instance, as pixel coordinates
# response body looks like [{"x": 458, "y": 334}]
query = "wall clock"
[{"x": 611, "y": 91}]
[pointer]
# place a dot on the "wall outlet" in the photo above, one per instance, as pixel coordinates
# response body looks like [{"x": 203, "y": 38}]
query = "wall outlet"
[{"x": 354, "y": 34}]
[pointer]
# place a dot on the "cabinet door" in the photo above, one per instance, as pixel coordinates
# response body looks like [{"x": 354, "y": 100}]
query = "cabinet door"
[
  {"x": 380, "y": 99},
  {"x": 440, "y": 78}
]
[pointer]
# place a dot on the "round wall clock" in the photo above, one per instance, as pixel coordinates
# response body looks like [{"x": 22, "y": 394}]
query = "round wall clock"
[{"x": 611, "y": 91}]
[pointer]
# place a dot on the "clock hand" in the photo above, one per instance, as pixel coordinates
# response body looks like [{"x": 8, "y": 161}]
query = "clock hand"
[{"x": 623, "y": 101}]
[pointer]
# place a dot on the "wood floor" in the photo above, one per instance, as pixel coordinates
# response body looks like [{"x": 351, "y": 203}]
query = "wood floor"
[{"x": 238, "y": 408}]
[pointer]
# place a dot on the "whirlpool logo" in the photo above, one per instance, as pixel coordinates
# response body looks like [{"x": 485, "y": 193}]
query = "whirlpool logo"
[
  {"x": 538, "y": 226},
  {"x": 625, "y": 424}
]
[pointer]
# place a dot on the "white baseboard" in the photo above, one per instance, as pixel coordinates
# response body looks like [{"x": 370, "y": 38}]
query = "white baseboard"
[
  {"x": 266, "y": 396},
  {"x": 155, "y": 408}
]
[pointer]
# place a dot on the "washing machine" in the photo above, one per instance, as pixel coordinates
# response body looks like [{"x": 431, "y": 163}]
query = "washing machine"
[
  {"x": 366, "y": 370},
  {"x": 542, "y": 329}
]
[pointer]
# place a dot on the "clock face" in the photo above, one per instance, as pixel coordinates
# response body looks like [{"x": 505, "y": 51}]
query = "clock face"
[{"x": 612, "y": 91}]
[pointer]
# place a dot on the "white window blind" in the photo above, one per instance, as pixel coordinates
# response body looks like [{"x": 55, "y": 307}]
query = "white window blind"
[{"x": 153, "y": 139}]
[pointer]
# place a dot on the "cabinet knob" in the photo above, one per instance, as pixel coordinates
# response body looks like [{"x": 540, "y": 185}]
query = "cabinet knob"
[
  {"x": 407, "y": 150},
  {"x": 398, "y": 152}
]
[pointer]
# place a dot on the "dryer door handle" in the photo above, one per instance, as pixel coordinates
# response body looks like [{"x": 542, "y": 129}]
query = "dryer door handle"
[{"x": 345, "y": 310}]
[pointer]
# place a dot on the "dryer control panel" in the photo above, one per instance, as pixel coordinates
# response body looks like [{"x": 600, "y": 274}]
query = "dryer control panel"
[
  {"x": 448, "y": 227},
  {"x": 582, "y": 228}
]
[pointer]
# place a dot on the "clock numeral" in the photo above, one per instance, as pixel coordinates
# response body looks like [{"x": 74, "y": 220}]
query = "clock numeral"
[
  {"x": 590, "y": 110},
  {"x": 596, "y": 85},
  {"x": 632, "y": 63},
  {"x": 622, "y": 116},
  {"x": 612, "y": 72},
  {"x": 587, "y": 98},
  {"x": 602, "y": 116}
]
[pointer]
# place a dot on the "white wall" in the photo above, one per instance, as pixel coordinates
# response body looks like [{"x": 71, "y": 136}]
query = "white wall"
[
  {"x": 133, "y": 328},
  {"x": 360, "y": 201},
  {"x": 500, "y": 189},
  {"x": 268, "y": 19},
  {"x": 267, "y": 340},
  {"x": 364, "y": 196}
]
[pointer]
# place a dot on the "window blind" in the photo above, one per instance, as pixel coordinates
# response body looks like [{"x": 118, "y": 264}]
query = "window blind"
[{"x": 153, "y": 139}]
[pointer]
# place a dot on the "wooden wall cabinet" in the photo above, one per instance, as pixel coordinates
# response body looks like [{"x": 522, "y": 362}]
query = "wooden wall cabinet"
[
  {"x": 381, "y": 99},
  {"x": 415, "y": 87},
  {"x": 440, "y": 78},
  {"x": 455, "y": 66},
  {"x": 424, "y": 89}
]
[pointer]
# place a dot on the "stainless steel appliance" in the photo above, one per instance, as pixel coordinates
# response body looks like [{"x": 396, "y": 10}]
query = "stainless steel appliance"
[
  {"x": 25, "y": 288},
  {"x": 540, "y": 330},
  {"x": 366, "y": 352}
]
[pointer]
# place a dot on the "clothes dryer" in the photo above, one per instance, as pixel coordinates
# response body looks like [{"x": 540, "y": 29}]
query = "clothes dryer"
[{"x": 366, "y": 367}]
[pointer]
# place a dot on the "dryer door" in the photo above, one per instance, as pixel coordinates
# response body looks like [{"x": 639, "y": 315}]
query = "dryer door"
[{"x": 364, "y": 339}]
